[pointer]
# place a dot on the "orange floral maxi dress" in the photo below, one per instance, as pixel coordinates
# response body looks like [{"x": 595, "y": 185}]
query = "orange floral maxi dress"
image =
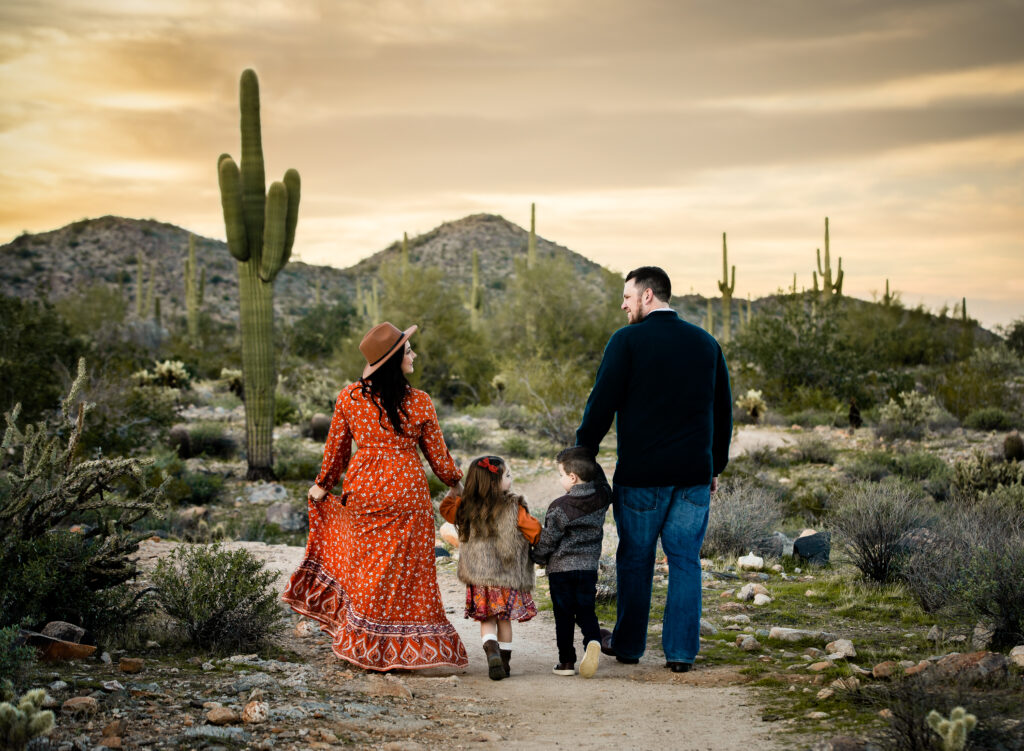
[{"x": 368, "y": 575}]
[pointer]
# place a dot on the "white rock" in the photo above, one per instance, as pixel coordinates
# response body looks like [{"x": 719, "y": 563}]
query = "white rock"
[
  {"x": 449, "y": 534},
  {"x": 777, "y": 568},
  {"x": 762, "y": 599},
  {"x": 736, "y": 618},
  {"x": 255, "y": 712},
  {"x": 751, "y": 562},
  {"x": 790, "y": 634},
  {"x": 826, "y": 693},
  {"x": 810, "y": 593},
  {"x": 806, "y": 533},
  {"x": 843, "y": 647},
  {"x": 746, "y": 593},
  {"x": 1017, "y": 655}
]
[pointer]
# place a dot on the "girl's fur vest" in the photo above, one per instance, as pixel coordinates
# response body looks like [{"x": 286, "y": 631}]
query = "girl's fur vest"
[{"x": 501, "y": 560}]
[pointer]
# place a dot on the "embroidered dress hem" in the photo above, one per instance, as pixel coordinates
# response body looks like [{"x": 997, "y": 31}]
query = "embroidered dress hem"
[
  {"x": 369, "y": 644},
  {"x": 504, "y": 603}
]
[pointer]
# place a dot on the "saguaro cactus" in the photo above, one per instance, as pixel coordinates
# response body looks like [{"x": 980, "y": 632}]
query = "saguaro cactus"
[
  {"x": 260, "y": 226},
  {"x": 405, "y": 253},
  {"x": 531, "y": 244},
  {"x": 828, "y": 287},
  {"x": 726, "y": 287},
  {"x": 193, "y": 292},
  {"x": 709, "y": 319}
]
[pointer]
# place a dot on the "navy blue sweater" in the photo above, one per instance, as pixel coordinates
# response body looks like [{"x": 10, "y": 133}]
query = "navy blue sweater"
[{"x": 666, "y": 382}]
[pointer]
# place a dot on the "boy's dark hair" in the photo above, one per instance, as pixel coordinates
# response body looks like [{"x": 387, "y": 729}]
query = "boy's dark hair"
[
  {"x": 577, "y": 460},
  {"x": 652, "y": 278}
]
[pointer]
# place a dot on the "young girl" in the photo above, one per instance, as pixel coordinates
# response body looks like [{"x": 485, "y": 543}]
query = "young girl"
[{"x": 495, "y": 534}]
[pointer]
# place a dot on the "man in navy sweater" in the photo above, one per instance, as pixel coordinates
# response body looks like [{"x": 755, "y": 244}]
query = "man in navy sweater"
[{"x": 665, "y": 382}]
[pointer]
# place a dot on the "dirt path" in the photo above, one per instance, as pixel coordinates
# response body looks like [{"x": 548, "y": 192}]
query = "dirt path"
[{"x": 642, "y": 706}]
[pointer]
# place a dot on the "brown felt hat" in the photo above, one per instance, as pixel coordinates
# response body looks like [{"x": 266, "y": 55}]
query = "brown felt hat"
[{"x": 382, "y": 341}]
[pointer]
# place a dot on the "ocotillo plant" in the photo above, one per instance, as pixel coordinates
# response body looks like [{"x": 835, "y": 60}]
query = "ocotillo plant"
[
  {"x": 531, "y": 244},
  {"x": 260, "y": 227},
  {"x": 726, "y": 289},
  {"x": 828, "y": 287},
  {"x": 193, "y": 292},
  {"x": 474, "y": 297}
]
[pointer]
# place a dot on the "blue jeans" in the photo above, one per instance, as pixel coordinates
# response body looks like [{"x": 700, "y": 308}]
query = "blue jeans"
[{"x": 679, "y": 515}]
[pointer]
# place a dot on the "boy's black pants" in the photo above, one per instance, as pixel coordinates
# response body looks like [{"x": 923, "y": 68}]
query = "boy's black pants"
[{"x": 572, "y": 596}]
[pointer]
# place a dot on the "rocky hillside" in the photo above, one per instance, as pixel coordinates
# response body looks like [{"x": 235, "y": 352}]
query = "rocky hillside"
[{"x": 105, "y": 250}]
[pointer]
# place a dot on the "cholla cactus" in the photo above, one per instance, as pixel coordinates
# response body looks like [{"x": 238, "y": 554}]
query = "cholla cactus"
[
  {"x": 169, "y": 373},
  {"x": 753, "y": 404},
  {"x": 233, "y": 379},
  {"x": 20, "y": 724},
  {"x": 954, "y": 730}
]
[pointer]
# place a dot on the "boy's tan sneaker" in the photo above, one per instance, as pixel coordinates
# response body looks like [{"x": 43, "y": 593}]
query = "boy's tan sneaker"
[{"x": 588, "y": 666}]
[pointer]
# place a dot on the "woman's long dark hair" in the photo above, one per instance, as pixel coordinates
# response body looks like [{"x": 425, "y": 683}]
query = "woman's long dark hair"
[{"x": 386, "y": 387}]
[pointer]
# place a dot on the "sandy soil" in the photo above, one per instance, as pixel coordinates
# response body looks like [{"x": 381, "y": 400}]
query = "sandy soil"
[{"x": 643, "y": 706}]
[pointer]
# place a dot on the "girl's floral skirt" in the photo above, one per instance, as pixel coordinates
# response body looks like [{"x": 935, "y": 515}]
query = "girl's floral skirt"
[{"x": 504, "y": 603}]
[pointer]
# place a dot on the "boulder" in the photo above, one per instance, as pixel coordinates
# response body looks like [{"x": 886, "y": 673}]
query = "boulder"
[
  {"x": 971, "y": 667},
  {"x": 449, "y": 534},
  {"x": 131, "y": 664},
  {"x": 265, "y": 492},
  {"x": 255, "y": 712},
  {"x": 750, "y": 562},
  {"x": 287, "y": 518},
  {"x": 1017, "y": 656},
  {"x": 222, "y": 716},
  {"x": 884, "y": 670},
  {"x": 813, "y": 548},
  {"x": 748, "y": 643},
  {"x": 760, "y": 599},
  {"x": 319, "y": 426},
  {"x": 843, "y": 647},
  {"x": 63, "y": 631},
  {"x": 80, "y": 705}
]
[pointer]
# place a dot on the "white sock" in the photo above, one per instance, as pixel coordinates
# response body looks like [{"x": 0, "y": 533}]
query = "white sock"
[
  {"x": 489, "y": 637},
  {"x": 507, "y": 645}
]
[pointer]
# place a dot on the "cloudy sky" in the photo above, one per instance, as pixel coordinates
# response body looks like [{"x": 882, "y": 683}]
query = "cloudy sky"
[{"x": 643, "y": 129}]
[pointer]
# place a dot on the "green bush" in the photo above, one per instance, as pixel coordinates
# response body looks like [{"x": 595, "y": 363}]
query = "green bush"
[
  {"x": 286, "y": 410},
  {"x": 518, "y": 446},
  {"x": 320, "y": 332},
  {"x": 989, "y": 418},
  {"x": 294, "y": 461},
  {"x": 934, "y": 475},
  {"x": 764, "y": 455},
  {"x": 910, "y": 415},
  {"x": 171, "y": 374},
  {"x": 461, "y": 436},
  {"x": 14, "y": 658},
  {"x": 876, "y": 525},
  {"x": 871, "y": 465},
  {"x": 743, "y": 516},
  {"x": 127, "y": 417},
  {"x": 221, "y": 600},
  {"x": 212, "y": 439},
  {"x": 1013, "y": 448},
  {"x": 812, "y": 449}
]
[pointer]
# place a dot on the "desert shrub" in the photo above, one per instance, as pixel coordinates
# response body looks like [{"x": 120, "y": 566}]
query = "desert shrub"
[
  {"x": 211, "y": 439},
  {"x": 812, "y": 449},
  {"x": 293, "y": 460},
  {"x": 764, "y": 455},
  {"x": 810, "y": 500},
  {"x": 222, "y": 600},
  {"x": 463, "y": 436},
  {"x": 286, "y": 410},
  {"x": 989, "y": 418},
  {"x": 909, "y": 416},
  {"x": 877, "y": 524},
  {"x": 512, "y": 416},
  {"x": 203, "y": 487},
  {"x": 751, "y": 406},
  {"x": 981, "y": 473},
  {"x": 518, "y": 446},
  {"x": 14, "y": 657},
  {"x": 911, "y": 700},
  {"x": 171, "y": 374},
  {"x": 980, "y": 381},
  {"x": 1015, "y": 337},
  {"x": 1013, "y": 448},
  {"x": 126, "y": 417},
  {"x": 321, "y": 331},
  {"x": 48, "y": 571},
  {"x": 743, "y": 515},
  {"x": 813, "y": 417},
  {"x": 554, "y": 392},
  {"x": 871, "y": 465},
  {"x": 315, "y": 389},
  {"x": 934, "y": 475}
]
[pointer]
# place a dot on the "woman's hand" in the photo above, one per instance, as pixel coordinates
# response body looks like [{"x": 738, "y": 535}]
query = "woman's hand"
[
  {"x": 454, "y": 491},
  {"x": 317, "y": 494}
]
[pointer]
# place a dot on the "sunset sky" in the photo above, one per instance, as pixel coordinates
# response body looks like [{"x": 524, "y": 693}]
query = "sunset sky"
[{"x": 643, "y": 129}]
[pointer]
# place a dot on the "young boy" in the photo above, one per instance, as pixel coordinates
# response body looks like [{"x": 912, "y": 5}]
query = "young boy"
[{"x": 570, "y": 548}]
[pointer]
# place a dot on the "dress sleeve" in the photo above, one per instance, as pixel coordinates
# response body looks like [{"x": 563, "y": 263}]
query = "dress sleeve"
[
  {"x": 529, "y": 526},
  {"x": 337, "y": 450},
  {"x": 449, "y": 507},
  {"x": 434, "y": 448}
]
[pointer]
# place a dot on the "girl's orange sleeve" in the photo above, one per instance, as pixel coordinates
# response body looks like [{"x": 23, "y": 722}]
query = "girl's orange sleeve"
[
  {"x": 528, "y": 525},
  {"x": 449, "y": 506}
]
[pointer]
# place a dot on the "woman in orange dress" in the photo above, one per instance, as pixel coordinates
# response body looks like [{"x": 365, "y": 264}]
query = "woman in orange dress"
[{"x": 368, "y": 575}]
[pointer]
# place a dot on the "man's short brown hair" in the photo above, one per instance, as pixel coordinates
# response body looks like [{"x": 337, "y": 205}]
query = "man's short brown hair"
[
  {"x": 652, "y": 278},
  {"x": 577, "y": 460}
]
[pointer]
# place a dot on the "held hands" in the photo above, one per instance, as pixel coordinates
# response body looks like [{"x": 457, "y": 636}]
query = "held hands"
[
  {"x": 317, "y": 494},
  {"x": 455, "y": 491},
  {"x": 714, "y": 484}
]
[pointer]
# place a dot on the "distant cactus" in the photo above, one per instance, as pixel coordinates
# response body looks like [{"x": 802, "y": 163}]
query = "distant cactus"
[
  {"x": 139, "y": 284},
  {"x": 316, "y": 291},
  {"x": 22, "y": 722},
  {"x": 753, "y": 404},
  {"x": 954, "y": 730},
  {"x": 709, "y": 319},
  {"x": 727, "y": 288},
  {"x": 889, "y": 298},
  {"x": 1013, "y": 448},
  {"x": 828, "y": 287},
  {"x": 750, "y": 313},
  {"x": 531, "y": 245},
  {"x": 405, "y": 253},
  {"x": 260, "y": 227},
  {"x": 193, "y": 292}
]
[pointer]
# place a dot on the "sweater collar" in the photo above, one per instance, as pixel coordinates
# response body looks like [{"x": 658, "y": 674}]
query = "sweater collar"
[{"x": 582, "y": 489}]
